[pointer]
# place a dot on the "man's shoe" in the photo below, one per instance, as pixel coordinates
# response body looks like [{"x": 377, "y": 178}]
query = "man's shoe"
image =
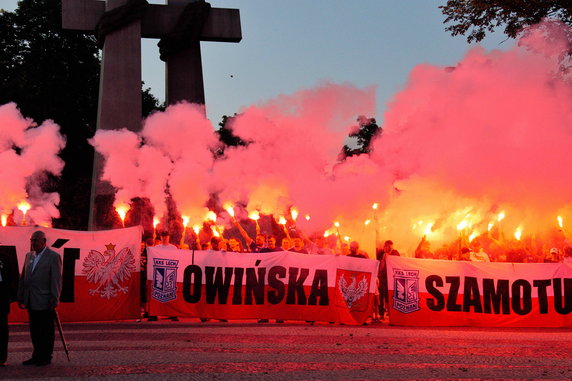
[
  {"x": 29, "y": 362},
  {"x": 43, "y": 362}
]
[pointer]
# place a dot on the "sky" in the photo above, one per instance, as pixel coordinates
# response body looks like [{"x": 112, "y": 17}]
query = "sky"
[{"x": 288, "y": 46}]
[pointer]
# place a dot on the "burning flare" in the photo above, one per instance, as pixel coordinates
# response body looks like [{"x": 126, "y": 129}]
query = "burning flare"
[
  {"x": 24, "y": 206},
  {"x": 294, "y": 214},
  {"x": 211, "y": 216},
  {"x": 560, "y": 222},
  {"x": 185, "y": 221},
  {"x": 429, "y": 228},
  {"x": 229, "y": 207},
  {"x": 462, "y": 225},
  {"x": 4, "y": 219},
  {"x": 500, "y": 216},
  {"x": 254, "y": 215},
  {"x": 518, "y": 233},
  {"x": 122, "y": 209},
  {"x": 282, "y": 220}
]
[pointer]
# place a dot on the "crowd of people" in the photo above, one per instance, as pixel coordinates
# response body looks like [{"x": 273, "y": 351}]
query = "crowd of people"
[
  {"x": 484, "y": 248},
  {"x": 487, "y": 249},
  {"x": 239, "y": 241}
]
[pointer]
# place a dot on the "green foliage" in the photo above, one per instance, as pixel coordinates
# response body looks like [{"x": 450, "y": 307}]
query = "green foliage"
[
  {"x": 365, "y": 133},
  {"x": 475, "y": 18},
  {"x": 226, "y": 136}
]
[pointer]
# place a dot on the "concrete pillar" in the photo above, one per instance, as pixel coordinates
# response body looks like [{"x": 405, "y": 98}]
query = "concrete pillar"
[
  {"x": 119, "y": 102},
  {"x": 184, "y": 72}
]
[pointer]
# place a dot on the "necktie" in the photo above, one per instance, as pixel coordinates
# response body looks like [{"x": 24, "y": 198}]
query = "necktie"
[{"x": 35, "y": 261}]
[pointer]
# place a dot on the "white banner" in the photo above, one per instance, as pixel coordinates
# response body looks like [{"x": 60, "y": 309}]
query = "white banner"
[
  {"x": 279, "y": 285},
  {"x": 101, "y": 270},
  {"x": 426, "y": 292}
]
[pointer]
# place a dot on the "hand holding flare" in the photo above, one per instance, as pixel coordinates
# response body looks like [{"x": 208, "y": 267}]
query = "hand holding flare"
[
  {"x": 564, "y": 231},
  {"x": 197, "y": 229},
  {"x": 337, "y": 225},
  {"x": 255, "y": 216},
  {"x": 185, "y": 223},
  {"x": 155, "y": 223},
  {"x": 282, "y": 221},
  {"x": 229, "y": 209},
  {"x": 500, "y": 217}
]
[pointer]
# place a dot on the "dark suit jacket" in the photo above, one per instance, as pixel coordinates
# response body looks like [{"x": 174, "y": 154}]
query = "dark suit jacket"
[
  {"x": 40, "y": 289},
  {"x": 8, "y": 285}
]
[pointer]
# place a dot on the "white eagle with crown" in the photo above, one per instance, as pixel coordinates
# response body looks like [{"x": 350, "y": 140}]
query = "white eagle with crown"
[
  {"x": 355, "y": 291},
  {"x": 109, "y": 270}
]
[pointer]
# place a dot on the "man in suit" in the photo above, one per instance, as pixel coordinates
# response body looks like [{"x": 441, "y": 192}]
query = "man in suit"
[
  {"x": 8, "y": 289},
  {"x": 39, "y": 292}
]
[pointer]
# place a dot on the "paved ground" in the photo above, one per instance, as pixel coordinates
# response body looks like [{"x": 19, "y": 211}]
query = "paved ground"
[{"x": 246, "y": 350}]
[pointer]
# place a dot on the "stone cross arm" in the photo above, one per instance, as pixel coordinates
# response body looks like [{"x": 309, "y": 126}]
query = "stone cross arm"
[{"x": 223, "y": 24}]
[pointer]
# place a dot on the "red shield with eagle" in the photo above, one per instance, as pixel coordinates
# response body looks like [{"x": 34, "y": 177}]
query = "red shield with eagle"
[{"x": 352, "y": 289}]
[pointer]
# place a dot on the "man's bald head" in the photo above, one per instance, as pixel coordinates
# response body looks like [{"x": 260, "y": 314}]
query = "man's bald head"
[{"x": 38, "y": 241}]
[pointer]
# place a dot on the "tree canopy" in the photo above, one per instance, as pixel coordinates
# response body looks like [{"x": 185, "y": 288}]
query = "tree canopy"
[
  {"x": 367, "y": 130},
  {"x": 475, "y": 18}
]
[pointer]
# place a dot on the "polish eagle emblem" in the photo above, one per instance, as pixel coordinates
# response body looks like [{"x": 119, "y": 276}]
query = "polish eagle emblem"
[
  {"x": 355, "y": 291},
  {"x": 109, "y": 270}
]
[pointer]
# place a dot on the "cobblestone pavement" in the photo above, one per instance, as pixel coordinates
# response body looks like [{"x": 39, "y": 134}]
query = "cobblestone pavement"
[{"x": 246, "y": 350}]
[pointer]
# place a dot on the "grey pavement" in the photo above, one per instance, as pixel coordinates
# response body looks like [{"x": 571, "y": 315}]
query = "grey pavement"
[{"x": 247, "y": 350}]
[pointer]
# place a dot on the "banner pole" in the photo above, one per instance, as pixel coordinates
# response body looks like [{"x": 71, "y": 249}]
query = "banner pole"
[{"x": 59, "y": 325}]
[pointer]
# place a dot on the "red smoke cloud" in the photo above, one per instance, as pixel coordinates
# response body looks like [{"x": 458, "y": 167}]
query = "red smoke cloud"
[
  {"x": 27, "y": 153},
  {"x": 493, "y": 133},
  {"x": 459, "y": 144}
]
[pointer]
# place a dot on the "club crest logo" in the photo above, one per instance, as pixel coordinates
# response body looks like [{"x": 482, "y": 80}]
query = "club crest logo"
[
  {"x": 109, "y": 270},
  {"x": 352, "y": 288},
  {"x": 164, "y": 279},
  {"x": 406, "y": 290}
]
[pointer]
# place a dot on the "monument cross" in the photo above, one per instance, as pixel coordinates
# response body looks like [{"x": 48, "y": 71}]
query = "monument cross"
[{"x": 120, "y": 81}]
